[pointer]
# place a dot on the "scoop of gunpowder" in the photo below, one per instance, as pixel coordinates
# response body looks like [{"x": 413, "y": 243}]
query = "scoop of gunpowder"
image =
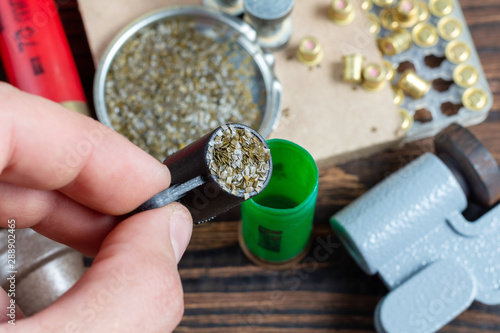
[
  {"x": 239, "y": 160},
  {"x": 173, "y": 82}
]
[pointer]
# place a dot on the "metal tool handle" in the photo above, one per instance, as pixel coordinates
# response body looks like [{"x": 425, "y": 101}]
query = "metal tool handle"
[{"x": 169, "y": 195}]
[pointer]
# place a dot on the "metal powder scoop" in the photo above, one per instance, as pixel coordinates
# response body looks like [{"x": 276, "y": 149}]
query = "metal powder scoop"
[{"x": 216, "y": 173}]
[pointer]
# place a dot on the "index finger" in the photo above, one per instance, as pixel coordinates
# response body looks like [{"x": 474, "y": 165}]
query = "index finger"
[{"x": 45, "y": 146}]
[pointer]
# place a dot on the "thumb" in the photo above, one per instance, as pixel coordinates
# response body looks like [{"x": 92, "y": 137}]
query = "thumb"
[{"x": 133, "y": 284}]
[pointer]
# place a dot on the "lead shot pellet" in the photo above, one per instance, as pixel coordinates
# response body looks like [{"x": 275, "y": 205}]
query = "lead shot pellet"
[
  {"x": 397, "y": 42},
  {"x": 413, "y": 85},
  {"x": 440, "y": 8},
  {"x": 449, "y": 28},
  {"x": 457, "y": 52},
  {"x": 310, "y": 51},
  {"x": 425, "y": 35},
  {"x": 341, "y": 11},
  {"x": 465, "y": 75},
  {"x": 373, "y": 77},
  {"x": 352, "y": 68}
]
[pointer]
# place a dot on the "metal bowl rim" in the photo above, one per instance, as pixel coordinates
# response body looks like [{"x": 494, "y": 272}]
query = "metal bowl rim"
[{"x": 262, "y": 59}]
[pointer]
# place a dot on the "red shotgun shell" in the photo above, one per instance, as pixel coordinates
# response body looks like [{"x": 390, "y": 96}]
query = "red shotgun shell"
[{"x": 36, "y": 53}]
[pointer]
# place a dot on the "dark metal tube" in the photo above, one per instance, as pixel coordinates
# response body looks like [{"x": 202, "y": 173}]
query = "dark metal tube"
[{"x": 194, "y": 186}]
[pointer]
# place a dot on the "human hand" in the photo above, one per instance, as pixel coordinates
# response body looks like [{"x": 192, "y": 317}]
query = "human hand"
[{"x": 66, "y": 176}]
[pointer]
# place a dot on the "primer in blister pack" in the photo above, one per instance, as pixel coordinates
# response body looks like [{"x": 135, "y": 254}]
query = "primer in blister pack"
[{"x": 439, "y": 78}]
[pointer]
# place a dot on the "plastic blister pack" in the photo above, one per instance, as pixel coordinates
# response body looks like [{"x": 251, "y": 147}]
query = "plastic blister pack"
[{"x": 446, "y": 101}]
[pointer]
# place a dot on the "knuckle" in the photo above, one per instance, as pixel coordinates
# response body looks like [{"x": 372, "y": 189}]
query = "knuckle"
[{"x": 179, "y": 208}]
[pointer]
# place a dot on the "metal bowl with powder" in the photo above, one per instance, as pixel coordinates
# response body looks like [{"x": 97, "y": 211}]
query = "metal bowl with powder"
[{"x": 178, "y": 73}]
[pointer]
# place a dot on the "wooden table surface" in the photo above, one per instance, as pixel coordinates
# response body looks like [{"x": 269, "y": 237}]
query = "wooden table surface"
[{"x": 225, "y": 292}]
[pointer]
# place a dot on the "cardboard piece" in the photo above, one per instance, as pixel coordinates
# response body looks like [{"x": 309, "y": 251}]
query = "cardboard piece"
[
  {"x": 333, "y": 120},
  {"x": 103, "y": 20}
]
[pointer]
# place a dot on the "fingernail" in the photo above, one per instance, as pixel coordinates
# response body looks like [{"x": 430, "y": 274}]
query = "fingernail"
[{"x": 181, "y": 226}]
